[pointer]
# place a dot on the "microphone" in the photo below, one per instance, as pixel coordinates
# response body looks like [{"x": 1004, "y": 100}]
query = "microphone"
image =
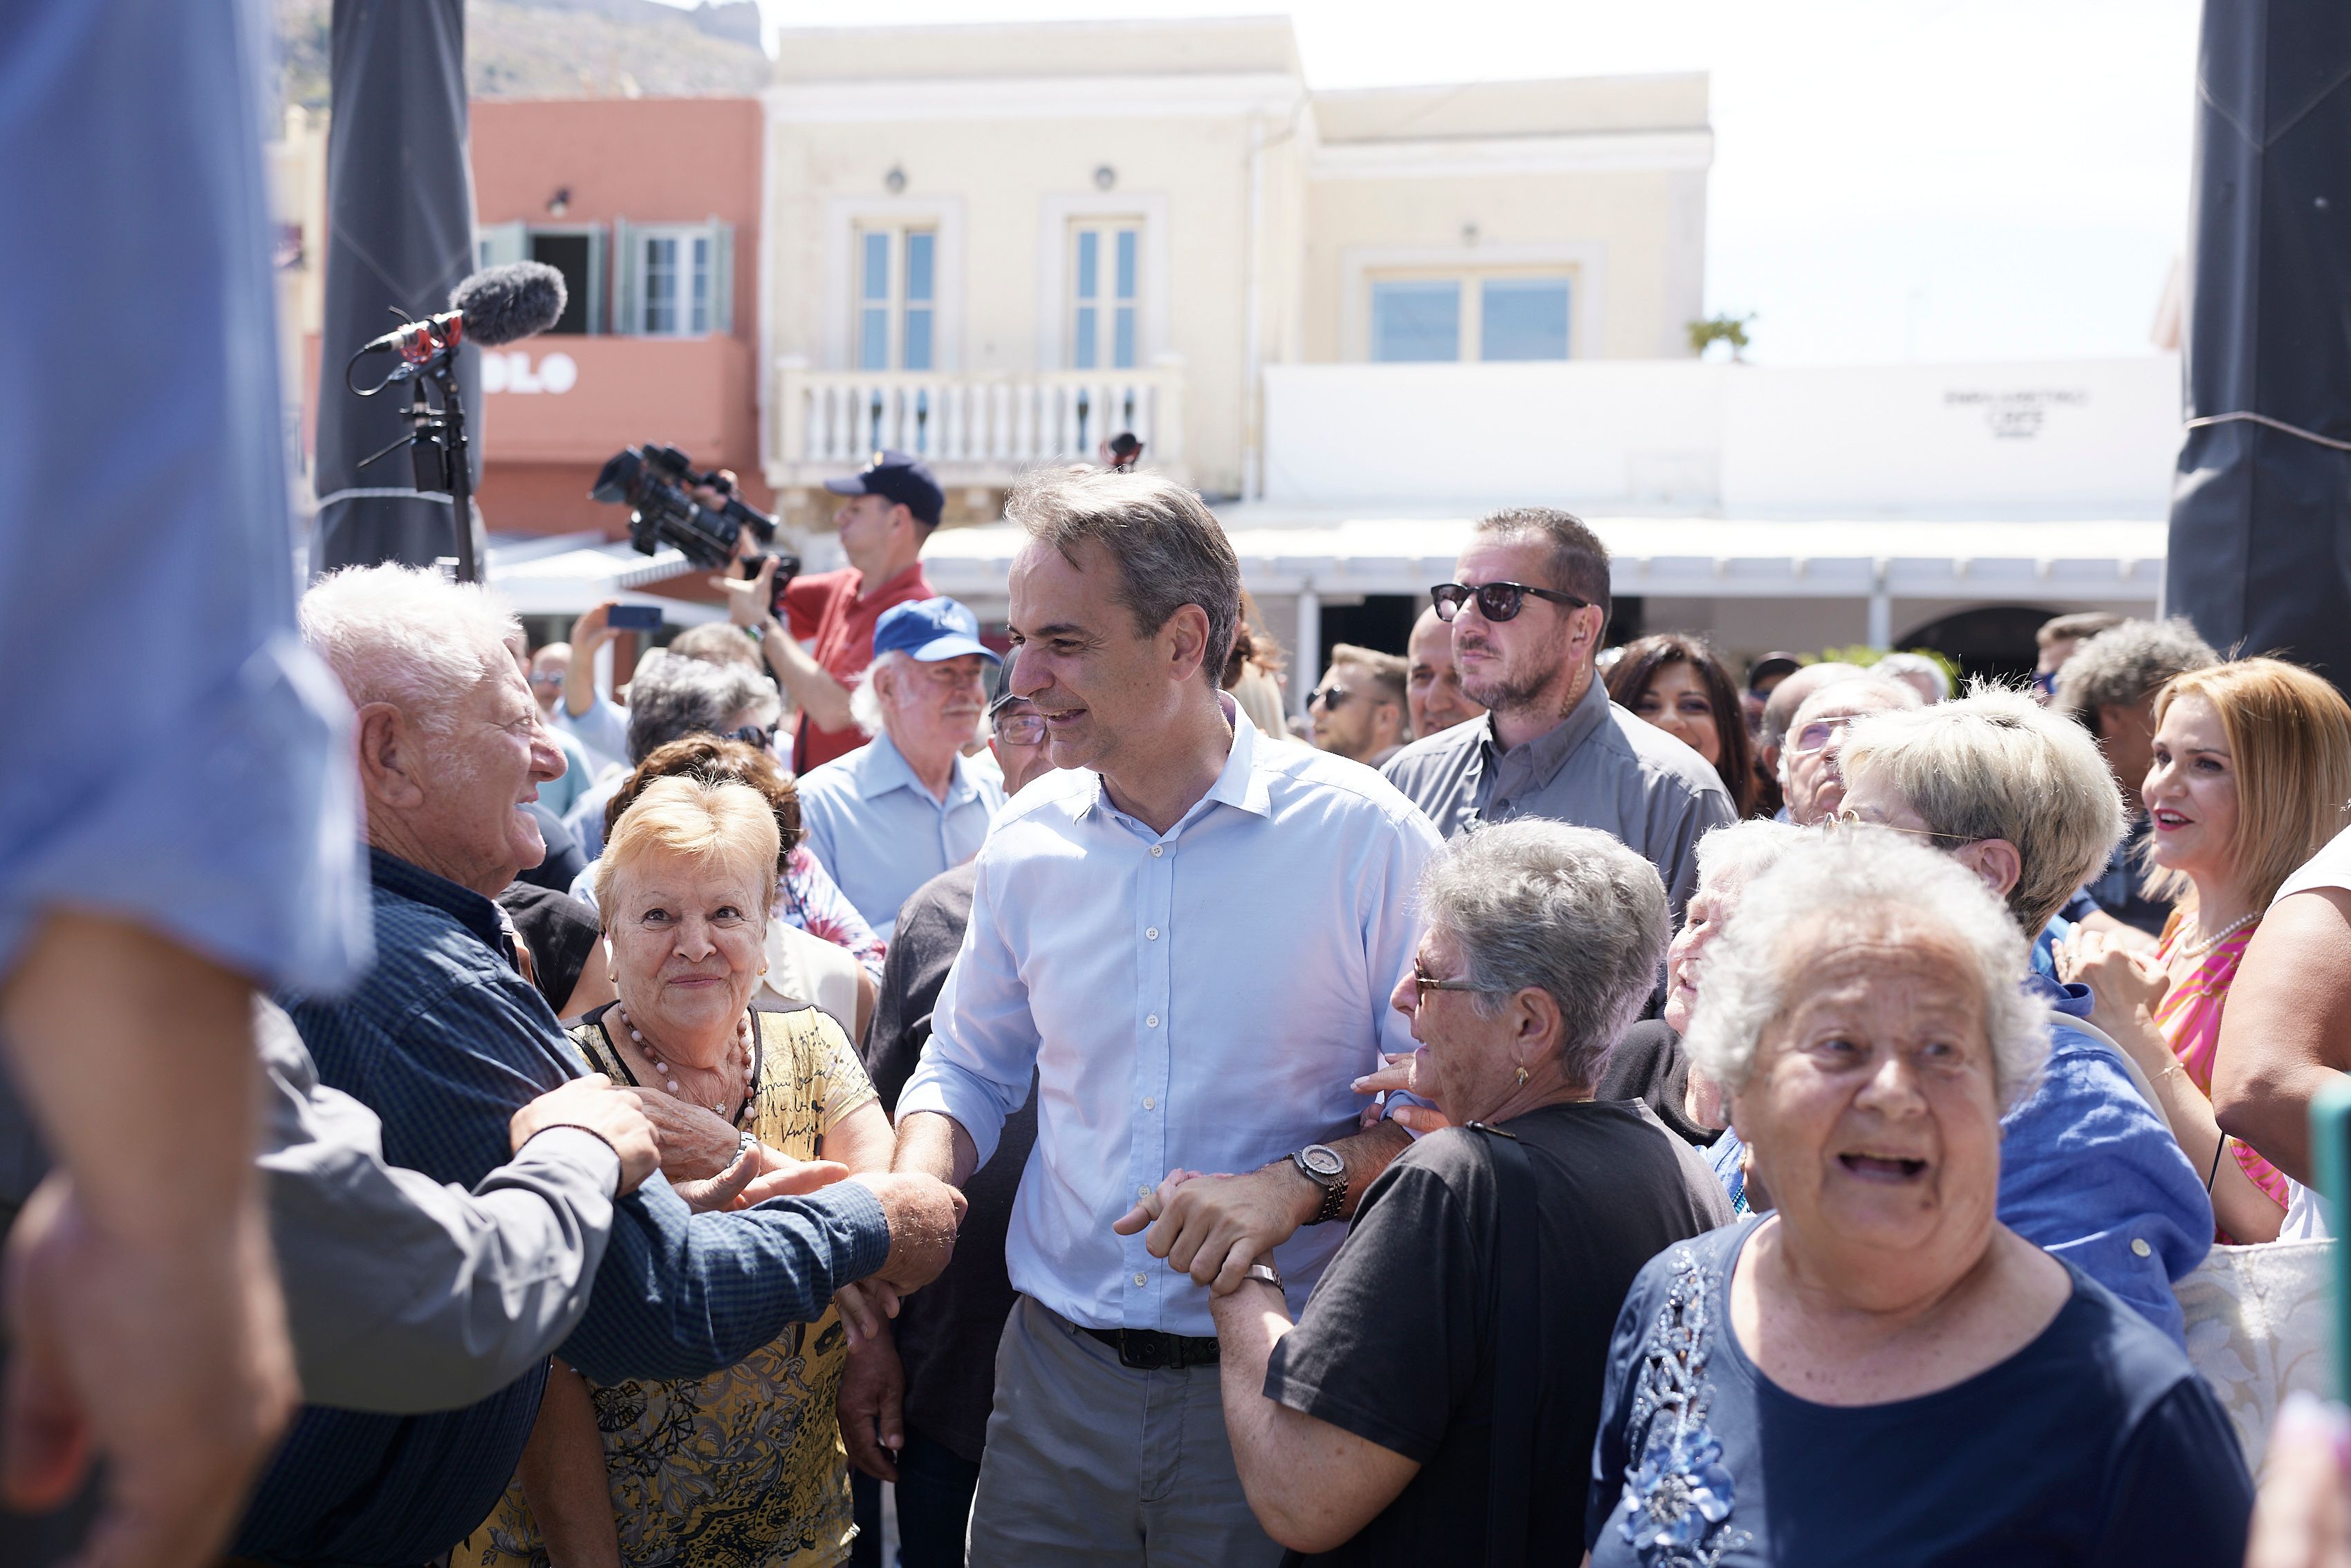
[
  {"x": 502, "y": 305},
  {"x": 418, "y": 339}
]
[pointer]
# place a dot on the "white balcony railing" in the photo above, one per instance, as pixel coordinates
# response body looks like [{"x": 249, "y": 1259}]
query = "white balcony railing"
[{"x": 973, "y": 429}]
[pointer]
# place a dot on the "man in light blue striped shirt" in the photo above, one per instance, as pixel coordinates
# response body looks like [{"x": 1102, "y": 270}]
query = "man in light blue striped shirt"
[{"x": 1190, "y": 937}]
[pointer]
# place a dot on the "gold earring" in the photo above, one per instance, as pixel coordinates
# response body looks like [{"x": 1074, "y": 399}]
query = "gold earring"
[{"x": 1523, "y": 1076}]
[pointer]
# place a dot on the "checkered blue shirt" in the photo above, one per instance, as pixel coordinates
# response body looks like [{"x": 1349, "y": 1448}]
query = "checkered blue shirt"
[{"x": 445, "y": 1040}]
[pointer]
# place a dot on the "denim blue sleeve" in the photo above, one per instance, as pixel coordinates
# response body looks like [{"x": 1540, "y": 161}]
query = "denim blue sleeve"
[
  {"x": 685, "y": 1295},
  {"x": 2089, "y": 1172}
]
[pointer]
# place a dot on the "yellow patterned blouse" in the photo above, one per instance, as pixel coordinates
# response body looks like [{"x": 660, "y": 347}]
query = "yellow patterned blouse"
[{"x": 743, "y": 1468}]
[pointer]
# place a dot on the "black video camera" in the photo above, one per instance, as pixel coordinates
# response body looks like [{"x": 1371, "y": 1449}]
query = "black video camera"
[{"x": 653, "y": 481}]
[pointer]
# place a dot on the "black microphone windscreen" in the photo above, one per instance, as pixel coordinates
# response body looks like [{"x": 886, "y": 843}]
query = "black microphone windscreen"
[{"x": 506, "y": 304}]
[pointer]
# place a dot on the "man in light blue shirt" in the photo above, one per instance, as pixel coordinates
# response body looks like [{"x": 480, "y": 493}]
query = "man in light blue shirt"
[
  {"x": 908, "y": 804},
  {"x": 1190, "y": 938}
]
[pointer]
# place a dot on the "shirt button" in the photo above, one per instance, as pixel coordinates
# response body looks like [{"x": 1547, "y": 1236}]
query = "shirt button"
[
  {"x": 2139, "y": 1246},
  {"x": 1150, "y": 1104},
  {"x": 1139, "y": 1279},
  {"x": 1158, "y": 850},
  {"x": 1151, "y": 1022},
  {"x": 1151, "y": 933},
  {"x": 1143, "y": 1191}
]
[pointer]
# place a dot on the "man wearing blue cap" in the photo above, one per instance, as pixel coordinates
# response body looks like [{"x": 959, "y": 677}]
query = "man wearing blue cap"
[
  {"x": 893, "y": 504},
  {"x": 908, "y": 804}
]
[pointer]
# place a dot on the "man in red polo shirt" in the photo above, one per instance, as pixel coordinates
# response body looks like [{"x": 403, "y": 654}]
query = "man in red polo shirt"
[{"x": 893, "y": 504}]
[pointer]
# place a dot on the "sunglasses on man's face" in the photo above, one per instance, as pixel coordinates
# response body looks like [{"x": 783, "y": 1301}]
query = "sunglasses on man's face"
[
  {"x": 1330, "y": 699},
  {"x": 753, "y": 734},
  {"x": 1496, "y": 600}
]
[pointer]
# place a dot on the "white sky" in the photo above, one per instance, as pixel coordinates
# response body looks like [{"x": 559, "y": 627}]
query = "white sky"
[{"x": 1893, "y": 179}]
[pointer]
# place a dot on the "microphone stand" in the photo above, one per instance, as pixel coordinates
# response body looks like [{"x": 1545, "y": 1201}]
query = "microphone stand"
[{"x": 441, "y": 433}]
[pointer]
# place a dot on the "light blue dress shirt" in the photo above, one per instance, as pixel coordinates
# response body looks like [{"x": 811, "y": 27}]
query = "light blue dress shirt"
[
  {"x": 882, "y": 833},
  {"x": 170, "y": 752},
  {"x": 1201, "y": 997}
]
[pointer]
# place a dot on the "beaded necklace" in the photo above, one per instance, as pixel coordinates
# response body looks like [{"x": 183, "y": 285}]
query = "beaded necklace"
[{"x": 666, "y": 1073}]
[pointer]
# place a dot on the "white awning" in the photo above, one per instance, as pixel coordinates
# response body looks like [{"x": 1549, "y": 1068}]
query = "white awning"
[
  {"x": 1287, "y": 551},
  {"x": 568, "y": 573}
]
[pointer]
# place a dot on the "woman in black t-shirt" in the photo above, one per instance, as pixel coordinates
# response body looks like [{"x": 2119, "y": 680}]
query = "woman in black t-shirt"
[{"x": 1368, "y": 1431}]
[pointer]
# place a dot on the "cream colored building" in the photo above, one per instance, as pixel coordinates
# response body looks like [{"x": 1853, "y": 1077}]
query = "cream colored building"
[{"x": 999, "y": 243}]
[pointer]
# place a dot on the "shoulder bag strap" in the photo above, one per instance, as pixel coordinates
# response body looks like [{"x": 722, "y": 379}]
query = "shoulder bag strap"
[{"x": 1518, "y": 1351}]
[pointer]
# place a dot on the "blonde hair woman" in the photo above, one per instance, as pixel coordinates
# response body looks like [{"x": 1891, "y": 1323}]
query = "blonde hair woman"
[
  {"x": 2252, "y": 777},
  {"x": 744, "y": 1467}
]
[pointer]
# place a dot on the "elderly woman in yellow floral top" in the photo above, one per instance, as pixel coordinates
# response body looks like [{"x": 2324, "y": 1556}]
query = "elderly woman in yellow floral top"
[{"x": 743, "y": 1468}]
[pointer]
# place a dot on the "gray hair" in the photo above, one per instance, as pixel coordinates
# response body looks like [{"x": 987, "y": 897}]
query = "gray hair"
[
  {"x": 1998, "y": 765},
  {"x": 1168, "y": 547},
  {"x": 673, "y": 698},
  {"x": 1780, "y": 707},
  {"x": 1579, "y": 561},
  {"x": 1741, "y": 851},
  {"x": 2126, "y": 667},
  {"x": 1567, "y": 910},
  {"x": 1871, "y": 880},
  {"x": 408, "y": 636},
  {"x": 1894, "y": 667},
  {"x": 864, "y": 702},
  {"x": 716, "y": 643}
]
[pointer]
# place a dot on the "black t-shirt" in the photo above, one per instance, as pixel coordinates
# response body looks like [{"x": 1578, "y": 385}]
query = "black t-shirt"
[
  {"x": 560, "y": 931},
  {"x": 946, "y": 1332},
  {"x": 2096, "y": 1446},
  {"x": 1649, "y": 1065},
  {"x": 1397, "y": 1344}
]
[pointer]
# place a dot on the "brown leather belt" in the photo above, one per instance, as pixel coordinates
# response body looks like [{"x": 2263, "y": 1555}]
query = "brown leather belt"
[{"x": 1148, "y": 1350}]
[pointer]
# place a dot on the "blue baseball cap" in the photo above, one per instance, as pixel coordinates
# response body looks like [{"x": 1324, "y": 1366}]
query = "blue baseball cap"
[
  {"x": 897, "y": 476},
  {"x": 929, "y": 630}
]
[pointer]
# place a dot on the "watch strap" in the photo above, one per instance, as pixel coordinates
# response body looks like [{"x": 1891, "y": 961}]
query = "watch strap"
[
  {"x": 1335, "y": 1189},
  {"x": 1266, "y": 1274}
]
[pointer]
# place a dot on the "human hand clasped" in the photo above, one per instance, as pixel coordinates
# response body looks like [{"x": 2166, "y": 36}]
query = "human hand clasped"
[
  {"x": 1395, "y": 1076},
  {"x": 1214, "y": 1227},
  {"x": 923, "y": 1213},
  {"x": 593, "y": 1105}
]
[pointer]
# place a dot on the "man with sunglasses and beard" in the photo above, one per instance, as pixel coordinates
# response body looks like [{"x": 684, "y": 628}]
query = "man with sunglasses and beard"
[{"x": 1527, "y": 607}]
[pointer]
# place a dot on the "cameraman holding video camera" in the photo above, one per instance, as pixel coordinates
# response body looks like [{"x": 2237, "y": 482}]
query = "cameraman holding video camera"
[{"x": 893, "y": 505}]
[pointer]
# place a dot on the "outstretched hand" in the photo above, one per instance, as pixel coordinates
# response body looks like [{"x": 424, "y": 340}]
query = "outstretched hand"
[{"x": 748, "y": 598}]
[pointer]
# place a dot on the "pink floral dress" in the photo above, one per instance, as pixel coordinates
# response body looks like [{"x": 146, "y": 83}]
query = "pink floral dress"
[{"x": 2189, "y": 1017}]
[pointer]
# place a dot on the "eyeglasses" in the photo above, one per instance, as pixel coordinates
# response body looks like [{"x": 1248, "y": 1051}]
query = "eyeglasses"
[
  {"x": 753, "y": 734},
  {"x": 548, "y": 678},
  {"x": 1331, "y": 698},
  {"x": 1816, "y": 736},
  {"x": 2045, "y": 683},
  {"x": 1496, "y": 600},
  {"x": 1020, "y": 728},
  {"x": 1423, "y": 985},
  {"x": 1846, "y": 816}
]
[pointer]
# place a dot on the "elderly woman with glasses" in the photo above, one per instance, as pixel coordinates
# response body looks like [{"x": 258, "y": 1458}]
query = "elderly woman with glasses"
[
  {"x": 1880, "y": 1371},
  {"x": 1448, "y": 1359}
]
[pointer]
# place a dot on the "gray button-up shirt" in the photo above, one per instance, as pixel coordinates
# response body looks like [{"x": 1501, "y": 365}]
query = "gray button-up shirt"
[{"x": 1599, "y": 767}]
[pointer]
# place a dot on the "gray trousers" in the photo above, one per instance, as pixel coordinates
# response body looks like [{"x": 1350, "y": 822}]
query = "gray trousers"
[{"x": 1091, "y": 1464}]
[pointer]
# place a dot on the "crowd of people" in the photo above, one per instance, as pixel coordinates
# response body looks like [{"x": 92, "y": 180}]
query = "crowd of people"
[{"x": 1552, "y": 1100}]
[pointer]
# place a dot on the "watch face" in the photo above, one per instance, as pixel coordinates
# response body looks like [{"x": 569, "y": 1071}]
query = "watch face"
[{"x": 1323, "y": 1162}]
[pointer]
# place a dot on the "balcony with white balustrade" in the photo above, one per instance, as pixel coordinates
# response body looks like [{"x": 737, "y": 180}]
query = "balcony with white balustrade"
[{"x": 975, "y": 429}]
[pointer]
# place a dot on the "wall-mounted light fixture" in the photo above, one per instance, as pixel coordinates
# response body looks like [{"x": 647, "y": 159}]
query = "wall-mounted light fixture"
[
  {"x": 560, "y": 202},
  {"x": 1105, "y": 177},
  {"x": 895, "y": 180}
]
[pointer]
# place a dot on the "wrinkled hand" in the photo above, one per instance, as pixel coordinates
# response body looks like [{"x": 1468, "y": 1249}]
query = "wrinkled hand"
[
  {"x": 612, "y": 1114},
  {"x": 724, "y": 1190},
  {"x": 746, "y": 598},
  {"x": 780, "y": 1176},
  {"x": 873, "y": 1406},
  {"x": 1398, "y": 1074},
  {"x": 1210, "y": 1227},
  {"x": 173, "y": 1364},
  {"x": 695, "y": 1144},
  {"x": 2302, "y": 1517},
  {"x": 923, "y": 1212}
]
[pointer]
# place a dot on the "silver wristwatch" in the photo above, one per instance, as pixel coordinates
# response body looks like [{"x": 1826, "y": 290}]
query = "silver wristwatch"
[
  {"x": 1266, "y": 1274},
  {"x": 1321, "y": 1165}
]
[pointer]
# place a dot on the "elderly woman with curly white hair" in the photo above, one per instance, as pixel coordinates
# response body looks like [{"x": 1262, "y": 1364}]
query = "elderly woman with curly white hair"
[{"x": 1880, "y": 1372}]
